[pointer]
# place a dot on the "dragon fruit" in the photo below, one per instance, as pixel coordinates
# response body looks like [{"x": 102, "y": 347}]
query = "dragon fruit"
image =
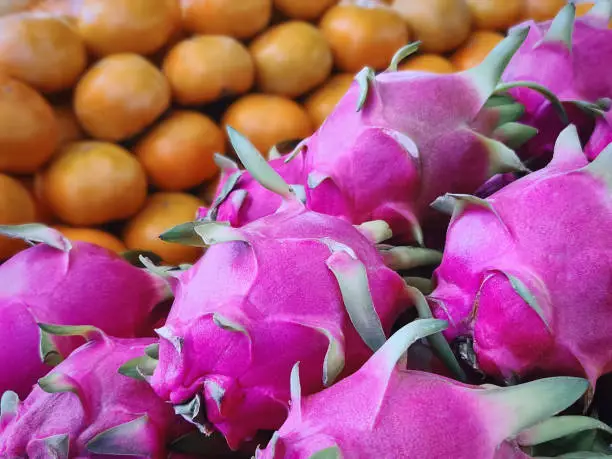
[
  {"x": 526, "y": 277},
  {"x": 85, "y": 409},
  {"x": 384, "y": 410},
  {"x": 601, "y": 137},
  {"x": 561, "y": 55},
  {"x": 68, "y": 283}
]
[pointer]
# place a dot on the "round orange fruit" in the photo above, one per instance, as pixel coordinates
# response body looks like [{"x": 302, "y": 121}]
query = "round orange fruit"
[
  {"x": 16, "y": 207},
  {"x": 28, "y": 128},
  {"x": 41, "y": 50},
  {"x": 363, "y": 34},
  {"x": 235, "y": 18},
  {"x": 321, "y": 102},
  {"x": 15, "y": 6},
  {"x": 442, "y": 25},
  {"x": 306, "y": 10},
  {"x": 542, "y": 10},
  {"x": 473, "y": 52},
  {"x": 495, "y": 14},
  {"x": 267, "y": 120},
  {"x": 91, "y": 182},
  {"x": 291, "y": 59},
  {"x": 178, "y": 153},
  {"x": 119, "y": 96},
  {"x": 32, "y": 183},
  {"x": 127, "y": 26},
  {"x": 93, "y": 236},
  {"x": 69, "y": 128},
  {"x": 162, "y": 212},
  {"x": 433, "y": 63},
  {"x": 207, "y": 68}
]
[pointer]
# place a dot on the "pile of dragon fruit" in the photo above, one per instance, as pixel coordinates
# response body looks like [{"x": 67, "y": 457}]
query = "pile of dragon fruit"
[{"x": 428, "y": 276}]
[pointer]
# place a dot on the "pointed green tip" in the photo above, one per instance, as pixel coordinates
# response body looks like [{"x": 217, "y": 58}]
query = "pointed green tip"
[
  {"x": 601, "y": 14},
  {"x": 37, "y": 233},
  {"x": 515, "y": 135},
  {"x": 562, "y": 27},
  {"x": 86, "y": 331},
  {"x": 364, "y": 79},
  {"x": 402, "y": 54}
]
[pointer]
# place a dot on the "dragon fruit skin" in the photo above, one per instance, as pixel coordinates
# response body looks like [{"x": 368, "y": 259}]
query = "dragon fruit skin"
[
  {"x": 84, "y": 284},
  {"x": 266, "y": 297},
  {"x": 527, "y": 272},
  {"x": 384, "y": 410},
  {"x": 85, "y": 396},
  {"x": 601, "y": 137}
]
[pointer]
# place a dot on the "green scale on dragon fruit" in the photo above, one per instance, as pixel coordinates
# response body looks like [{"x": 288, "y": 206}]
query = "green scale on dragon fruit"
[
  {"x": 67, "y": 283},
  {"x": 394, "y": 143},
  {"x": 386, "y": 411},
  {"x": 564, "y": 55},
  {"x": 526, "y": 276},
  {"x": 85, "y": 409},
  {"x": 294, "y": 285}
]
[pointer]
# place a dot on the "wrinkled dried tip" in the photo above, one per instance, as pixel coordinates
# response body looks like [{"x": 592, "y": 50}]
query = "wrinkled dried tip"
[{"x": 562, "y": 27}]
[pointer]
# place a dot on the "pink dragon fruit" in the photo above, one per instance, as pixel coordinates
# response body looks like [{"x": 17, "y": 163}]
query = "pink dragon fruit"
[
  {"x": 69, "y": 284},
  {"x": 85, "y": 409},
  {"x": 295, "y": 285},
  {"x": 526, "y": 276},
  {"x": 561, "y": 55},
  {"x": 601, "y": 137},
  {"x": 384, "y": 410}
]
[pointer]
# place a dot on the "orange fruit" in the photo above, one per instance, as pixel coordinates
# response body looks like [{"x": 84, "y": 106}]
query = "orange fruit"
[
  {"x": 427, "y": 63},
  {"x": 178, "y": 153},
  {"x": 119, "y": 96},
  {"x": 127, "y": 26},
  {"x": 473, "y": 52},
  {"x": 267, "y": 120},
  {"x": 321, "y": 102},
  {"x": 28, "y": 128},
  {"x": 41, "y": 50},
  {"x": 90, "y": 183},
  {"x": 363, "y": 34},
  {"x": 162, "y": 212},
  {"x": 93, "y": 236},
  {"x": 16, "y": 207},
  {"x": 69, "y": 128},
  {"x": 542, "y": 10},
  {"x": 33, "y": 184},
  {"x": 68, "y": 8},
  {"x": 208, "y": 191},
  {"x": 305, "y": 10},
  {"x": 236, "y": 18},
  {"x": 442, "y": 25},
  {"x": 15, "y": 6},
  {"x": 291, "y": 59},
  {"x": 495, "y": 14},
  {"x": 207, "y": 68}
]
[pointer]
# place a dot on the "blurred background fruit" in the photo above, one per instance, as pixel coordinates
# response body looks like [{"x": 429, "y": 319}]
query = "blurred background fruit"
[
  {"x": 322, "y": 101},
  {"x": 541, "y": 10},
  {"x": 475, "y": 49},
  {"x": 495, "y": 14},
  {"x": 93, "y": 236},
  {"x": 427, "y": 63},
  {"x": 16, "y": 207},
  {"x": 307, "y": 10}
]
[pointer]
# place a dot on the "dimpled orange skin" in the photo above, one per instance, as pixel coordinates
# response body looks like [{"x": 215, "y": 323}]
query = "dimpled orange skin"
[
  {"x": 127, "y": 26},
  {"x": 91, "y": 182},
  {"x": 93, "y": 236},
  {"x": 362, "y": 36},
  {"x": 119, "y": 96},
  {"x": 306, "y": 10},
  {"x": 442, "y": 25},
  {"x": 291, "y": 59},
  {"x": 16, "y": 207},
  {"x": 178, "y": 153},
  {"x": 322, "y": 102},
  {"x": 28, "y": 128},
  {"x": 542, "y": 10},
  {"x": 162, "y": 212},
  {"x": 267, "y": 120},
  {"x": 207, "y": 68},
  {"x": 475, "y": 49},
  {"x": 427, "y": 63},
  {"x": 495, "y": 14},
  {"x": 42, "y": 51},
  {"x": 235, "y": 18}
]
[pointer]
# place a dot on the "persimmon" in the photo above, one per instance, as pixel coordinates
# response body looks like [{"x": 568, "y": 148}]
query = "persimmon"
[
  {"x": 207, "y": 68},
  {"x": 235, "y": 18},
  {"x": 28, "y": 128},
  {"x": 542, "y": 10},
  {"x": 322, "y": 101},
  {"x": 267, "y": 120},
  {"x": 162, "y": 212},
  {"x": 291, "y": 59},
  {"x": 305, "y": 10},
  {"x": 93, "y": 236},
  {"x": 69, "y": 128},
  {"x": 473, "y": 52},
  {"x": 178, "y": 153},
  {"x": 92, "y": 182},
  {"x": 495, "y": 14},
  {"x": 16, "y": 207},
  {"x": 127, "y": 26},
  {"x": 119, "y": 96},
  {"x": 433, "y": 63},
  {"x": 363, "y": 34},
  {"x": 41, "y": 50},
  {"x": 33, "y": 184},
  {"x": 208, "y": 191},
  {"x": 442, "y": 25}
]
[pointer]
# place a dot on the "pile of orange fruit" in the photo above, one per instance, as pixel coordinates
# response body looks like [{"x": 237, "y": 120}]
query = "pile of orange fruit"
[{"x": 111, "y": 110}]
